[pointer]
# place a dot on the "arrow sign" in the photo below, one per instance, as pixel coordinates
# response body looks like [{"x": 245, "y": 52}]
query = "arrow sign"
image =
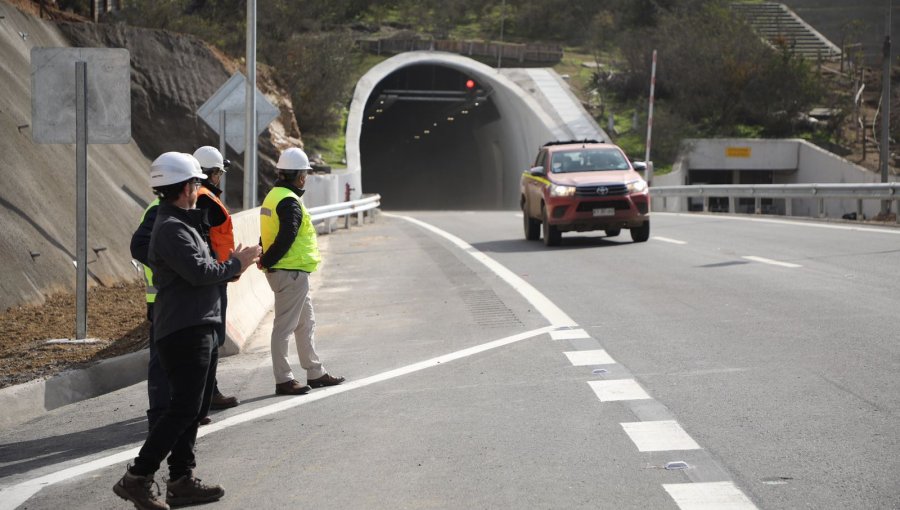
[{"x": 230, "y": 101}]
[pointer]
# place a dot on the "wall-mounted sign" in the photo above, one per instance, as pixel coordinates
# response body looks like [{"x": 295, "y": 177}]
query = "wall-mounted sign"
[{"x": 737, "y": 152}]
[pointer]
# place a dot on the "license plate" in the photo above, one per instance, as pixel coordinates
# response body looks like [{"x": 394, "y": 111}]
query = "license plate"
[{"x": 605, "y": 211}]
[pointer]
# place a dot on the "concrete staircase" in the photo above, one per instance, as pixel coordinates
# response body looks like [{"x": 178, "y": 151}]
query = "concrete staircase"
[{"x": 779, "y": 26}]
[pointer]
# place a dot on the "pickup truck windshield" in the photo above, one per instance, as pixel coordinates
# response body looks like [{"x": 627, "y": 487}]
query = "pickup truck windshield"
[{"x": 588, "y": 160}]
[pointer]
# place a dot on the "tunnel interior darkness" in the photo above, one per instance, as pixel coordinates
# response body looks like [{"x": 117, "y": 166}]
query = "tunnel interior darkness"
[{"x": 420, "y": 144}]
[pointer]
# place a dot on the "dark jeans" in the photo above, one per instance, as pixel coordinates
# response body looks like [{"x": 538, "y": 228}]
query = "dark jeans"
[
  {"x": 157, "y": 385},
  {"x": 188, "y": 357}
]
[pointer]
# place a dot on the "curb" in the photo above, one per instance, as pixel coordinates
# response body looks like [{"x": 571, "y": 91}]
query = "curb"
[{"x": 26, "y": 401}]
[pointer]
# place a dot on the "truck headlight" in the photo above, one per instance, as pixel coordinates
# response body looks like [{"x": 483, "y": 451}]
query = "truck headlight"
[
  {"x": 558, "y": 190},
  {"x": 637, "y": 186}
]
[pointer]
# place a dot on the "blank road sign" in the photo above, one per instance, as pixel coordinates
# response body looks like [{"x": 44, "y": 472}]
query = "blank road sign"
[
  {"x": 231, "y": 98},
  {"x": 53, "y": 94}
]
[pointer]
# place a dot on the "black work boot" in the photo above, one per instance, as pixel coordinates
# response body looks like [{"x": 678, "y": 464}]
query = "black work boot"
[
  {"x": 138, "y": 490},
  {"x": 188, "y": 490}
]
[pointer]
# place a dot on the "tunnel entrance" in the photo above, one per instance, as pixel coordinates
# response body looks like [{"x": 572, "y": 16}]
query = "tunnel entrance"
[{"x": 420, "y": 144}]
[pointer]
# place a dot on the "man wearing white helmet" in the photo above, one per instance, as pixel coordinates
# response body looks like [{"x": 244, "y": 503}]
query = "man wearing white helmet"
[
  {"x": 290, "y": 254},
  {"x": 221, "y": 237},
  {"x": 186, "y": 312}
]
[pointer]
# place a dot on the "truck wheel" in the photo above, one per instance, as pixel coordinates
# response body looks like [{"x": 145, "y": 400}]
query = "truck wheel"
[
  {"x": 532, "y": 226},
  {"x": 552, "y": 236},
  {"x": 642, "y": 233}
]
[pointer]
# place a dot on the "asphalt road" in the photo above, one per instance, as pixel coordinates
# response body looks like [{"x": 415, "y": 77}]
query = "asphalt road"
[{"x": 761, "y": 354}]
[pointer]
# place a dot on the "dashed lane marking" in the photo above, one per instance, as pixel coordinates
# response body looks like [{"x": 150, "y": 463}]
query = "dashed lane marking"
[
  {"x": 708, "y": 496},
  {"x": 659, "y": 436},
  {"x": 587, "y": 358},
  {"x": 618, "y": 389},
  {"x": 770, "y": 261},
  {"x": 668, "y": 240}
]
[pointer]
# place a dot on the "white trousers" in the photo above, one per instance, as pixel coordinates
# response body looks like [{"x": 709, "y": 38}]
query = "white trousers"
[{"x": 293, "y": 316}]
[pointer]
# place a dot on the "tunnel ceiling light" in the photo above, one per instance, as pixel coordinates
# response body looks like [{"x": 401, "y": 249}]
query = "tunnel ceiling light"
[
  {"x": 427, "y": 132},
  {"x": 464, "y": 112},
  {"x": 371, "y": 117},
  {"x": 476, "y": 104},
  {"x": 417, "y": 137},
  {"x": 450, "y": 119},
  {"x": 380, "y": 110},
  {"x": 435, "y": 124}
]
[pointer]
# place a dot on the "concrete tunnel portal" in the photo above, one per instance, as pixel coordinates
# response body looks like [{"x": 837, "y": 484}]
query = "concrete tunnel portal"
[{"x": 431, "y": 130}]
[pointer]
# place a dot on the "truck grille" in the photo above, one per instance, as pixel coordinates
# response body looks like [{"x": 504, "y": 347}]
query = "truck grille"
[
  {"x": 619, "y": 205},
  {"x": 601, "y": 190}
]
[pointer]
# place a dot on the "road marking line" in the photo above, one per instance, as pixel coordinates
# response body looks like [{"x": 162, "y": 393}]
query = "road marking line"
[
  {"x": 770, "y": 261},
  {"x": 569, "y": 334},
  {"x": 708, "y": 496},
  {"x": 618, "y": 389},
  {"x": 659, "y": 436},
  {"x": 586, "y": 358},
  {"x": 811, "y": 223},
  {"x": 543, "y": 305},
  {"x": 13, "y": 496},
  {"x": 668, "y": 240}
]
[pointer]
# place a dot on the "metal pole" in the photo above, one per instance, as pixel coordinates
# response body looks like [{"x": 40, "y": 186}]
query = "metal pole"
[
  {"x": 886, "y": 105},
  {"x": 649, "y": 173},
  {"x": 222, "y": 126},
  {"x": 502, "y": 20},
  {"x": 250, "y": 122},
  {"x": 81, "y": 137}
]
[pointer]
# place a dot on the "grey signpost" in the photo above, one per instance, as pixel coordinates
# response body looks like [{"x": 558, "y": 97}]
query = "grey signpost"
[
  {"x": 225, "y": 113},
  {"x": 80, "y": 96}
]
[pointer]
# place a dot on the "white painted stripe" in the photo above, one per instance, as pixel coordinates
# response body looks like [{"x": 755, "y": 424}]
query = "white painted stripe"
[
  {"x": 668, "y": 240},
  {"x": 12, "y": 497},
  {"x": 659, "y": 436},
  {"x": 770, "y": 261},
  {"x": 618, "y": 389},
  {"x": 586, "y": 358},
  {"x": 708, "y": 496},
  {"x": 569, "y": 334},
  {"x": 811, "y": 223},
  {"x": 543, "y": 305}
]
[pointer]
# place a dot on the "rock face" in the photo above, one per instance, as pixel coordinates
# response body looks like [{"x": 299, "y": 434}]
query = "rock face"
[{"x": 172, "y": 75}]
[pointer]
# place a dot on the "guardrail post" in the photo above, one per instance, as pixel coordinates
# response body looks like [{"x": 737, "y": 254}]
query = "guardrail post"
[
  {"x": 706, "y": 204},
  {"x": 897, "y": 210},
  {"x": 757, "y": 205},
  {"x": 347, "y": 222},
  {"x": 821, "y": 203},
  {"x": 859, "y": 209},
  {"x": 731, "y": 209},
  {"x": 360, "y": 218},
  {"x": 788, "y": 207}
]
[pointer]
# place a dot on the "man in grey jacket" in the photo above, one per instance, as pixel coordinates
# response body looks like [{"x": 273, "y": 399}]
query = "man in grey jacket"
[{"x": 186, "y": 314}]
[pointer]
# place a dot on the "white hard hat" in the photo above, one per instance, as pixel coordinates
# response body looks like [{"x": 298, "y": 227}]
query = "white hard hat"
[
  {"x": 210, "y": 157},
  {"x": 293, "y": 159},
  {"x": 174, "y": 167}
]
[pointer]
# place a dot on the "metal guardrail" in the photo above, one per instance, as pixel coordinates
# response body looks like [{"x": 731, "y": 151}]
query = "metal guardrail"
[
  {"x": 358, "y": 207},
  {"x": 819, "y": 192}
]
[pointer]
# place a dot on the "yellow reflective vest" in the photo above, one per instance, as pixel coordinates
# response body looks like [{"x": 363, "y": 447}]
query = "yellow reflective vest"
[
  {"x": 303, "y": 254},
  {"x": 148, "y": 273}
]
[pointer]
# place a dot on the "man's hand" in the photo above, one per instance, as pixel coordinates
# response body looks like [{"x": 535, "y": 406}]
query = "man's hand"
[{"x": 247, "y": 256}]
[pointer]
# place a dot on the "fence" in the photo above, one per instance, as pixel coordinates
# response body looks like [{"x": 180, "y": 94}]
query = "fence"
[
  {"x": 785, "y": 192},
  {"x": 512, "y": 52},
  {"x": 346, "y": 209}
]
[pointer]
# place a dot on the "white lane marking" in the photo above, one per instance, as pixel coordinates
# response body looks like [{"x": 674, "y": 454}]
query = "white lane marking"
[
  {"x": 618, "y": 389},
  {"x": 659, "y": 436},
  {"x": 770, "y": 261},
  {"x": 540, "y": 302},
  {"x": 13, "y": 496},
  {"x": 569, "y": 334},
  {"x": 811, "y": 224},
  {"x": 587, "y": 358},
  {"x": 708, "y": 496},
  {"x": 668, "y": 240}
]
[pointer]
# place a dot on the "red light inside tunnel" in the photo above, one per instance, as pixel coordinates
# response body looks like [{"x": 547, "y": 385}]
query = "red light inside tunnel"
[{"x": 470, "y": 84}]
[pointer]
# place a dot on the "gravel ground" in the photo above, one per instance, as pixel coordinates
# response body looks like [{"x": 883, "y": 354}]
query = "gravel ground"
[{"x": 116, "y": 316}]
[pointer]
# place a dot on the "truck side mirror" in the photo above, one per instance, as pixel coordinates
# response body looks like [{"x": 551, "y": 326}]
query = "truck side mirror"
[
  {"x": 639, "y": 166},
  {"x": 537, "y": 171}
]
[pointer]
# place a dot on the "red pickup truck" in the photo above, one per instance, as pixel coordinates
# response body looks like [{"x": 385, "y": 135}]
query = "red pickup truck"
[{"x": 583, "y": 186}]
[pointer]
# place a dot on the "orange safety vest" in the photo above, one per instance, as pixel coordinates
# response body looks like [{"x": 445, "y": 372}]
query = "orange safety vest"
[{"x": 222, "y": 236}]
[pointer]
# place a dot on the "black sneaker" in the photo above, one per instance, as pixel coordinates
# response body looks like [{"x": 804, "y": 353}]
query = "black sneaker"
[
  {"x": 188, "y": 490},
  {"x": 137, "y": 489}
]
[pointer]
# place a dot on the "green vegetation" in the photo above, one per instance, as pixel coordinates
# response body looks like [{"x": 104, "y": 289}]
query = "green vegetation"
[{"x": 715, "y": 77}]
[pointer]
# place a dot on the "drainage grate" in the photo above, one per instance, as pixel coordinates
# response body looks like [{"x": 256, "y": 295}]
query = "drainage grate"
[{"x": 488, "y": 310}]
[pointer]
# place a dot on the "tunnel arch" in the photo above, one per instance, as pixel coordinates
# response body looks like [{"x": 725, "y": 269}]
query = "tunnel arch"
[{"x": 492, "y": 153}]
